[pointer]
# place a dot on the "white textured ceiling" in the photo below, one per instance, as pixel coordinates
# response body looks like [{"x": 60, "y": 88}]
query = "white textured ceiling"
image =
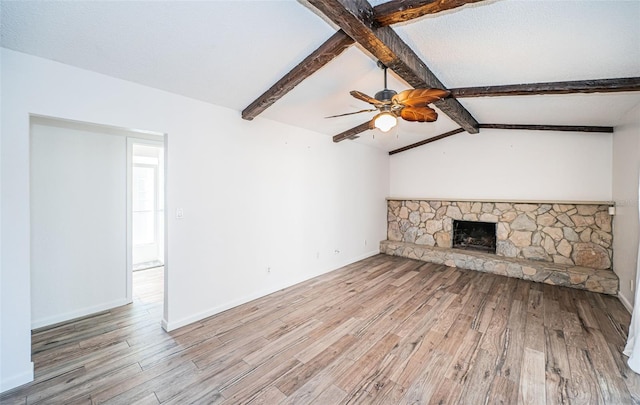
[{"x": 229, "y": 52}]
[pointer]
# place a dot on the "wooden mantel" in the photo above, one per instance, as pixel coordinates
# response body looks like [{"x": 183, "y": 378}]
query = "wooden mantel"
[{"x": 515, "y": 201}]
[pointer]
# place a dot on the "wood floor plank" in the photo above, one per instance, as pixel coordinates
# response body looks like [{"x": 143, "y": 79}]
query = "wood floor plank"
[
  {"x": 616, "y": 333},
  {"x": 331, "y": 395},
  {"x": 384, "y": 330},
  {"x": 202, "y": 384},
  {"x": 268, "y": 396},
  {"x": 297, "y": 377},
  {"x": 447, "y": 392},
  {"x": 424, "y": 386},
  {"x": 464, "y": 357},
  {"x": 407, "y": 371},
  {"x": 582, "y": 387},
  {"x": 553, "y": 318},
  {"x": 534, "y": 332},
  {"x": 244, "y": 389},
  {"x": 535, "y": 302},
  {"x": 150, "y": 399},
  {"x": 557, "y": 368},
  {"x": 514, "y": 345},
  {"x": 532, "y": 381},
  {"x": 326, "y": 336},
  {"x": 76, "y": 360},
  {"x": 610, "y": 382},
  {"x": 503, "y": 390},
  {"x": 315, "y": 387},
  {"x": 285, "y": 343},
  {"x": 455, "y": 334},
  {"x": 229, "y": 353},
  {"x": 405, "y": 278},
  {"x": 125, "y": 393},
  {"x": 367, "y": 364},
  {"x": 166, "y": 367},
  {"x": 79, "y": 387},
  {"x": 477, "y": 383},
  {"x": 574, "y": 330}
]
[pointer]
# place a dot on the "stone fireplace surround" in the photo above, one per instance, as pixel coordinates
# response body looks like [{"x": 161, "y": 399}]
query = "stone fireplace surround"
[{"x": 560, "y": 243}]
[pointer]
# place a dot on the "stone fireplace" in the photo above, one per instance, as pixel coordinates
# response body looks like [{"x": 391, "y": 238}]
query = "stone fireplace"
[{"x": 565, "y": 243}]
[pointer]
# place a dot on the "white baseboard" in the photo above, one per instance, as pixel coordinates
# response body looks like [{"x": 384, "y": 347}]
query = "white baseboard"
[
  {"x": 354, "y": 259},
  {"x": 68, "y": 316},
  {"x": 169, "y": 325},
  {"x": 10, "y": 382},
  {"x": 625, "y": 302}
]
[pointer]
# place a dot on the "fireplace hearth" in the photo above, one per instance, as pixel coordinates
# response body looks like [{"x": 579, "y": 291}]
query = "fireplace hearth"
[{"x": 474, "y": 235}]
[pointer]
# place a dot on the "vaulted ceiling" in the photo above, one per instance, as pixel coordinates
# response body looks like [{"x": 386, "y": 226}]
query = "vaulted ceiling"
[{"x": 230, "y": 52}]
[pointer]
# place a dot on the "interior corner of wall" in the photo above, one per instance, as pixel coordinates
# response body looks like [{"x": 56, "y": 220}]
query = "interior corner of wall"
[{"x": 625, "y": 301}]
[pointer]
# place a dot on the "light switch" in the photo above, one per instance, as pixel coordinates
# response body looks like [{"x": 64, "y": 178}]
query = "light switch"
[{"x": 179, "y": 213}]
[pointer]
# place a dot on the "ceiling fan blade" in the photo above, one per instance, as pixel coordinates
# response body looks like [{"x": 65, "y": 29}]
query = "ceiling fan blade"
[
  {"x": 351, "y": 113},
  {"x": 419, "y": 97},
  {"x": 419, "y": 114},
  {"x": 361, "y": 96}
]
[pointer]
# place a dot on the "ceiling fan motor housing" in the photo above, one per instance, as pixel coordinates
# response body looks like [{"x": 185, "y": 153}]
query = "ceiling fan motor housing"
[{"x": 385, "y": 95}]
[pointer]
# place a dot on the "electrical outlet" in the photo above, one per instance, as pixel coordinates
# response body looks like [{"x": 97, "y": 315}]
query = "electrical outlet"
[
  {"x": 365, "y": 242},
  {"x": 631, "y": 285},
  {"x": 268, "y": 270}
]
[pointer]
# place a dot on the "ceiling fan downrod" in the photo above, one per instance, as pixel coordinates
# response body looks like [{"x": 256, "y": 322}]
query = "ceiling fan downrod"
[{"x": 386, "y": 94}]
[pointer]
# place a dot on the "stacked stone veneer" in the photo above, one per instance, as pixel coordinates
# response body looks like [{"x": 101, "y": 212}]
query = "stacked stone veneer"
[
  {"x": 560, "y": 244},
  {"x": 573, "y": 234}
]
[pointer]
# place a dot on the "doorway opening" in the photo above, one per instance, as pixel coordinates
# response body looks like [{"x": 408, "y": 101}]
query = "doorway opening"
[
  {"x": 81, "y": 217},
  {"x": 147, "y": 216},
  {"x": 147, "y": 206}
]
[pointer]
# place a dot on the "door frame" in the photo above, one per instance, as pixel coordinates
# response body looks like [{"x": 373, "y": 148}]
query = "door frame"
[{"x": 131, "y": 136}]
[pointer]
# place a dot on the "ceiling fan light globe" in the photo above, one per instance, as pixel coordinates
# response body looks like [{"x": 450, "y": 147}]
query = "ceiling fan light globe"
[{"x": 385, "y": 121}]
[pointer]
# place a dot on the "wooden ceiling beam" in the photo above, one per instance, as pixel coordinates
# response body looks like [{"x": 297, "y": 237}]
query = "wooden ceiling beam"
[
  {"x": 356, "y": 18},
  {"x": 340, "y": 41},
  {"x": 353, "y": 132},
  {"x": 394, "y": 12},
  {"x": 565, "y": 128},
  {"x": 333, "y": 47},
  {"x": 578, "y": 86},
  {"x": 426, "y": 141}
]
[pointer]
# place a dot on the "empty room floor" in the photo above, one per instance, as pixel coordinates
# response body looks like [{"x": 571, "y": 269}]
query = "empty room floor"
[{"x": 383, "y": 330}]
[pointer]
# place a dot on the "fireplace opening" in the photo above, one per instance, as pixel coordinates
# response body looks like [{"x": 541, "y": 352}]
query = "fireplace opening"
[{"x": 474, "y": 235}]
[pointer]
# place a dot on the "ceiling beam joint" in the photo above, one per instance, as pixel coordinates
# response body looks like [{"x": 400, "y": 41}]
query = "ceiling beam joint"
[{"x": 353, "y": 16}]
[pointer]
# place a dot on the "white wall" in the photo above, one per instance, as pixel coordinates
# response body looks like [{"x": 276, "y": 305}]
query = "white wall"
[
  {"x": 626, "y": 167},
  {"x": 255, "y": 195},
  {"x": 78, "y": 196},
  {"x": 504, "y": 164}
]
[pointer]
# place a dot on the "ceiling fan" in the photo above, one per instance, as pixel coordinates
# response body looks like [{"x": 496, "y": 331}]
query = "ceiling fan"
[{"x": 410, "y": 105}]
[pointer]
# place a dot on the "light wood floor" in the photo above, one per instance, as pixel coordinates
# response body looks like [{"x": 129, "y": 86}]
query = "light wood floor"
[{"x": 384, "y": 330}]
